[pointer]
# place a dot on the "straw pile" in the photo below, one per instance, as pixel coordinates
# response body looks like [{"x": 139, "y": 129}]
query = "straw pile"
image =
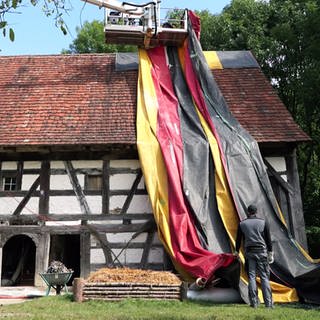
[{"x": 126, "y": 275}]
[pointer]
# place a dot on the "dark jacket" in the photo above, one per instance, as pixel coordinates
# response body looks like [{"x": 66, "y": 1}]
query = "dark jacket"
[{"x": 256, "y": 234}]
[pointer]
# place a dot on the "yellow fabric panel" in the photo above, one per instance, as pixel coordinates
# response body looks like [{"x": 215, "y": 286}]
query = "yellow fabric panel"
[
  {"x": 305, "y": 253},
  {"x": 212, "y": 60},
  {"x": 224, "y": 199},
  {"x": 230, "y": 219},
  {"x": 150, "y": 155}
]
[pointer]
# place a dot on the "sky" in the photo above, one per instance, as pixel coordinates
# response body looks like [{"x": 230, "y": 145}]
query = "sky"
[{"x": 37, "y": 34}]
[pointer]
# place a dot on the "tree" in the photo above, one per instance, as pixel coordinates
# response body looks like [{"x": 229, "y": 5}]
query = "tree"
[
  {"x": 54, "y": 8},
  {"x": 91, "y": 39}
]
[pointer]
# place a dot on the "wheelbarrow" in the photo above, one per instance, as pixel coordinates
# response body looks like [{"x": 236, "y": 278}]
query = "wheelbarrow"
[{"x": 57, "y": 281}]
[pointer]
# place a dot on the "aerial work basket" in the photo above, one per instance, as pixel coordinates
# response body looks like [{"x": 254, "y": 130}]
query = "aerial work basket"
[{"x": 143, "y": 25}]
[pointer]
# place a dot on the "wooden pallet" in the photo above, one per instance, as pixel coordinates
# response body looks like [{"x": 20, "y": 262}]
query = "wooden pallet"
[{"x": 120, "y": 291}]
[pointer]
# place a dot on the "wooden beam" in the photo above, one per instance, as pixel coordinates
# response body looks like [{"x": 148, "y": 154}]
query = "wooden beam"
[
  {"x": 75, "y": 217},
  {"x": 102, "y": 238},
  {"x": 19, "y": 175},
  {"x": 44, "y": 188},
  {"x": 284, "y": 184},
  {"x": 131, "y": 245},
  {"x": 85, "y": 254},
  {"x": 130, "y": 196},
  {"x": 41, "y": 229},
  {"x": 118, "y": 228},
  {"x": 131, "y": 193},
  {"x": 27, "y": 197},
  {"x": 1, "y": 182},
  {"x": 146, "y": 250},
  {"x": 106, "y": 187},
  {"x": 74, "y": 229},
  {"x": 77, "y": 188},
  {"x": 57, "y": 193}
]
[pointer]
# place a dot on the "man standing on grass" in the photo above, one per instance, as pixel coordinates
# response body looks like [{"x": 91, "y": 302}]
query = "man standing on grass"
[{"x": 258, "y": 254}]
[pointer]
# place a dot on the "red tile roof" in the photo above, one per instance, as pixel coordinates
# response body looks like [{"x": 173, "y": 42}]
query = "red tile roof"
[
  {"x": 257, "y": 106},
  {"x": 81, "y": 99}
]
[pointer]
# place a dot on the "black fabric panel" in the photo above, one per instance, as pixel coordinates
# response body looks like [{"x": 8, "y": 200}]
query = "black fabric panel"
[
  {"x": 237, "y": 59},
  {"x": 127, "y": 61},
  {"x": 198, "y": 167},
  {"x": 250, "y": 183},
  {"x": 229, "y": 59}
]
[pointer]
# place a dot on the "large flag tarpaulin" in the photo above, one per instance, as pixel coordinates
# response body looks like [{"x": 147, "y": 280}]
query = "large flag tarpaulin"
[{"x": 202, "y": 170}]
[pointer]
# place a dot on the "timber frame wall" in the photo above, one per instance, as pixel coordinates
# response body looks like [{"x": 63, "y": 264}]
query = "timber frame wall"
[
  {"x": 286, "y": 186},
  {"x": 133, "y": 234},
  {"x": 110, "y": 234}
]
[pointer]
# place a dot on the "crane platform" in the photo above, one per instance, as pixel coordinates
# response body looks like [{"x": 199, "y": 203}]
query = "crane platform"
[
  {"x": 144, "y": 25},
  {"x": 135, "y": 35}
]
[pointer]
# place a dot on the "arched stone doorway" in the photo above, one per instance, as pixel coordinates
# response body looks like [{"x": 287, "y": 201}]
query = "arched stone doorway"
[{"x": 18, "y": 261}]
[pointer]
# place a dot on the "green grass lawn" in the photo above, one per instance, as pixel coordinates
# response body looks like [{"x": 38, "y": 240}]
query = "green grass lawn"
[{"x": 62, "y": 307}]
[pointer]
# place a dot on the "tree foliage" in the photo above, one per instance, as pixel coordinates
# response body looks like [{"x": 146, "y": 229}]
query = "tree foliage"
[
  {"x": 54, "y": 8},
  {"x": 91, "y": 39}
]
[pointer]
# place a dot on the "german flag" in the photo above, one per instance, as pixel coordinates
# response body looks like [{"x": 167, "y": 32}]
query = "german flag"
[{"x": 202, "y": 170}]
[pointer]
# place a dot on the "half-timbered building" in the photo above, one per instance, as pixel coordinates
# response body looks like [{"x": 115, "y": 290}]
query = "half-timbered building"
[{"x": 71, "y": 188}]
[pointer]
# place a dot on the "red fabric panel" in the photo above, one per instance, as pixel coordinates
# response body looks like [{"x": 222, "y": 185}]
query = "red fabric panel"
[
  {"x": 189, "y": 253},
  {"x": 195, "y": 21}
]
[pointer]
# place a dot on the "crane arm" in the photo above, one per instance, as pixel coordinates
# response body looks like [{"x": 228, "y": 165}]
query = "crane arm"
[{"x": 124, "y": 7}]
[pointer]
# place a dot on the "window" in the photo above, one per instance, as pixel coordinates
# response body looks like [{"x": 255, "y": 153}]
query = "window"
[
  {"x": 9, "y": 183},
  {"x": 11, "y": 175},
  {"x": 93, "y": 182}
]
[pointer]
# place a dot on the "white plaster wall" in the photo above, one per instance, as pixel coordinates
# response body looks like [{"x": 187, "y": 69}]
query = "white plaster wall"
[
  {"x": 70, "y": 204},
  {"x": 62, "y": 182},
  {"x": 64, "y": 205},
  {"x": 116, "y": 202},
  {"x": 132, "y": 164},
  {"x": 124, "y": 181},
  {"x": 78, "y": 164},
  {"x": 125, "y": 237},
  {"x": 128, "y": 255},
  {"x": 139, "y": 204},
  {"x": 87, "y": 164},
  {"x": 95, "y": 204},
  {"x": 278, "y": 164},
  {"x": 9, "y": 204},
  {"x": 28, "y": 180},
  {"x": 97, "y": 256},
  {"x": 32, "y": 165},
  {"x": 155, "y": 255},
  {"x": 57, "y": 165},
  {"x": 156, "y": 239},
  {"x": 9, "y": 165}
]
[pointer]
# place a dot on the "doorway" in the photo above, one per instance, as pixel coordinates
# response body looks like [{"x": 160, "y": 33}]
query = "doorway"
[
  {"x": 66, "y": 249},
  {"x": 18, "y": 261}
]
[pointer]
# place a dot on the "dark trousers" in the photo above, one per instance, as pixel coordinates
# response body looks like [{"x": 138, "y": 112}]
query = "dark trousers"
[{"x": 257, "y": 263}]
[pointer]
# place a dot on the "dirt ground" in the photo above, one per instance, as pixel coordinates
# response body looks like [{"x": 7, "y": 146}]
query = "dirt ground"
[{"x": 10, "y": 295}]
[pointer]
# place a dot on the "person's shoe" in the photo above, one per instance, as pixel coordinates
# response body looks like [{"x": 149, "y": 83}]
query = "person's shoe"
[
  {"x": 270, "y": 307},
  {"x": 254, "y": 306}
]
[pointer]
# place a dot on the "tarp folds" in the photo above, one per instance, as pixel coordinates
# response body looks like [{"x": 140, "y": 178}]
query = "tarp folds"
[
  {"x": 202, "y": 170},
  {"x": 249, "y": 181}
]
